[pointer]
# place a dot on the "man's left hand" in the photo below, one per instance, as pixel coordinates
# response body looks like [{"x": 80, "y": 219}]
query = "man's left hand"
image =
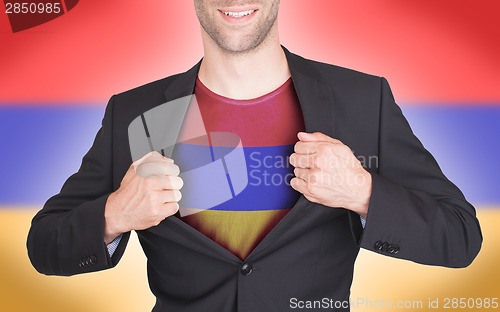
[{"x": 327, "y": 172}]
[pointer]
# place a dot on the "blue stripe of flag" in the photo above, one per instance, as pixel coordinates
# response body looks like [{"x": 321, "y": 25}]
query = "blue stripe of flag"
[{"x": 43, "y": 145}]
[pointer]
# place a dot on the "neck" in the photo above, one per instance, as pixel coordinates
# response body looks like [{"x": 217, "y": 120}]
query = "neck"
[{"x": 245, "y": 75}]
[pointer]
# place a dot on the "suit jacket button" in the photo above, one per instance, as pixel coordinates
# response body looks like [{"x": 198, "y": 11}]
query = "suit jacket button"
[
  {"x": 396, "y": 249},
  {"x": 246, "y": 269},
  {"x": 378, "y": 245},
  {"x": 384, "y": 247},
  {"x": 93, "y": 260},
  {"x": 390, "y": 249}
]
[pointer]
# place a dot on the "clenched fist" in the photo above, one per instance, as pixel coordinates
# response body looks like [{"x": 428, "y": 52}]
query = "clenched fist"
[
  {"x": 327, "y": 172},
  {"x": 148, "y": 193}
]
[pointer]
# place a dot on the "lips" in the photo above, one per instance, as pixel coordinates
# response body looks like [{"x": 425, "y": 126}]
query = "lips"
[{"x": 238, "y": 14}]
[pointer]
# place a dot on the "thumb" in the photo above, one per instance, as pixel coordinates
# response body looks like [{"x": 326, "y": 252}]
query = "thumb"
[
  {"x": 315, "y": 137},
  {"x": 151, "y": 154}
]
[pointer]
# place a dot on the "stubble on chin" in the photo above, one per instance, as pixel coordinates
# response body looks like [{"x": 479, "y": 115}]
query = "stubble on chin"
[{"x": 244, "y": 44}]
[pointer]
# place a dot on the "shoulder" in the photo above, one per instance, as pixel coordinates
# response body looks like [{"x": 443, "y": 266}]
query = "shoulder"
[
  {"x": 125, "y": 106},
  {"x": 335, "y": 75}
]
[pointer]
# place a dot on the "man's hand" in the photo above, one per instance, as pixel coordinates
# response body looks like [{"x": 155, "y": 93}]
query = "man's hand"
[
  {"x": 148, "y": 193},
  {"x": 327, "y": 172}
]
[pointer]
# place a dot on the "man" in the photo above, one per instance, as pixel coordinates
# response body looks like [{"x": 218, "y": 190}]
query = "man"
[{"x": 302, "y": 245}]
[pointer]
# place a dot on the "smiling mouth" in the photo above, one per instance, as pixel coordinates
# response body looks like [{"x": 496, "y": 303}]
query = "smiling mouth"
[{"x": 238, "y": 14}]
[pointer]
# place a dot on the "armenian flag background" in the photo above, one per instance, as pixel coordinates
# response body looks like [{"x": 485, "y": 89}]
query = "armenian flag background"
[{"x": 442, "y": 59}]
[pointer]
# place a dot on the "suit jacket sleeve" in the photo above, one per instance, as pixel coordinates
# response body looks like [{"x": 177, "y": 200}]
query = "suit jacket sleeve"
[
  {"x": 414, "y": 209},
  {"x": 67, "y": 235}
]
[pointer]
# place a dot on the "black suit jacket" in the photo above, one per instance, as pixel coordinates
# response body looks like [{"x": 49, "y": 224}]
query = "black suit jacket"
[{"x": 415, "y": 212}]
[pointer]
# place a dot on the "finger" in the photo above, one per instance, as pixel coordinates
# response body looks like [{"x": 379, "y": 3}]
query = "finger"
[
  {"x": 151, "y": 170},
  {"x": 305, "y": 147},
  {"x": 316, "y": 137},
  {"x": 143, "y": 158},
  {"x": 170, "y": 196},
  {"x": 166, "y": 183},
  {"x": 157, "y": 169},
  {"x": 301, "y": 186},
  {"x": 301, "y": 173},
  {"x": 171, "y": 208},
  {"x": 168, "y": 160},
  {"x": 298, "y": 184},
  {"x": 302, "y": 161},
  {"x": 310, "y": 176},
  {"x": 172, "y": 169},
  {"x": 157, "y": 157},
  {"x": 172, "y": 183},
  {"x": 132, "y": 169}
]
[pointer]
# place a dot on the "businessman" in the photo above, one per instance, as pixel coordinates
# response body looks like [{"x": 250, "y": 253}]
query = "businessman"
[{"x": 273, "y": 243}]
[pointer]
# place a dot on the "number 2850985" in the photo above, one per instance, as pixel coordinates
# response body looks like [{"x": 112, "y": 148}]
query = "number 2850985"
[{"x": 32, "y": 8}]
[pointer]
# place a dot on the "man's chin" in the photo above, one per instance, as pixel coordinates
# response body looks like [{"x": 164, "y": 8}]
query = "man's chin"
[
  {"x": 239, "y": 46},
  {"x": 239, "y": 50}
]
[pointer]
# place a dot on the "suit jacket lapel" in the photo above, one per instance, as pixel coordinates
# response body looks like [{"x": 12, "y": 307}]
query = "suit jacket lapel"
[
  {"x": 316, "y": 99},
  {"x": 183, "y": 84}
]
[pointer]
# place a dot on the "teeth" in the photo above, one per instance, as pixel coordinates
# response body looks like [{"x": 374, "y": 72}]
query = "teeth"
[{"x": 239, "y": 14}]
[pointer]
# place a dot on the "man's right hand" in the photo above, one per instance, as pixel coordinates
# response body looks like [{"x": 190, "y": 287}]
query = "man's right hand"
[{"x": 148, "y": 193}]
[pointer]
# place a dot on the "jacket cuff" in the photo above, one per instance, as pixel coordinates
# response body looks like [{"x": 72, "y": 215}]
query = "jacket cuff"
[{"x": 87, "y": 232}]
